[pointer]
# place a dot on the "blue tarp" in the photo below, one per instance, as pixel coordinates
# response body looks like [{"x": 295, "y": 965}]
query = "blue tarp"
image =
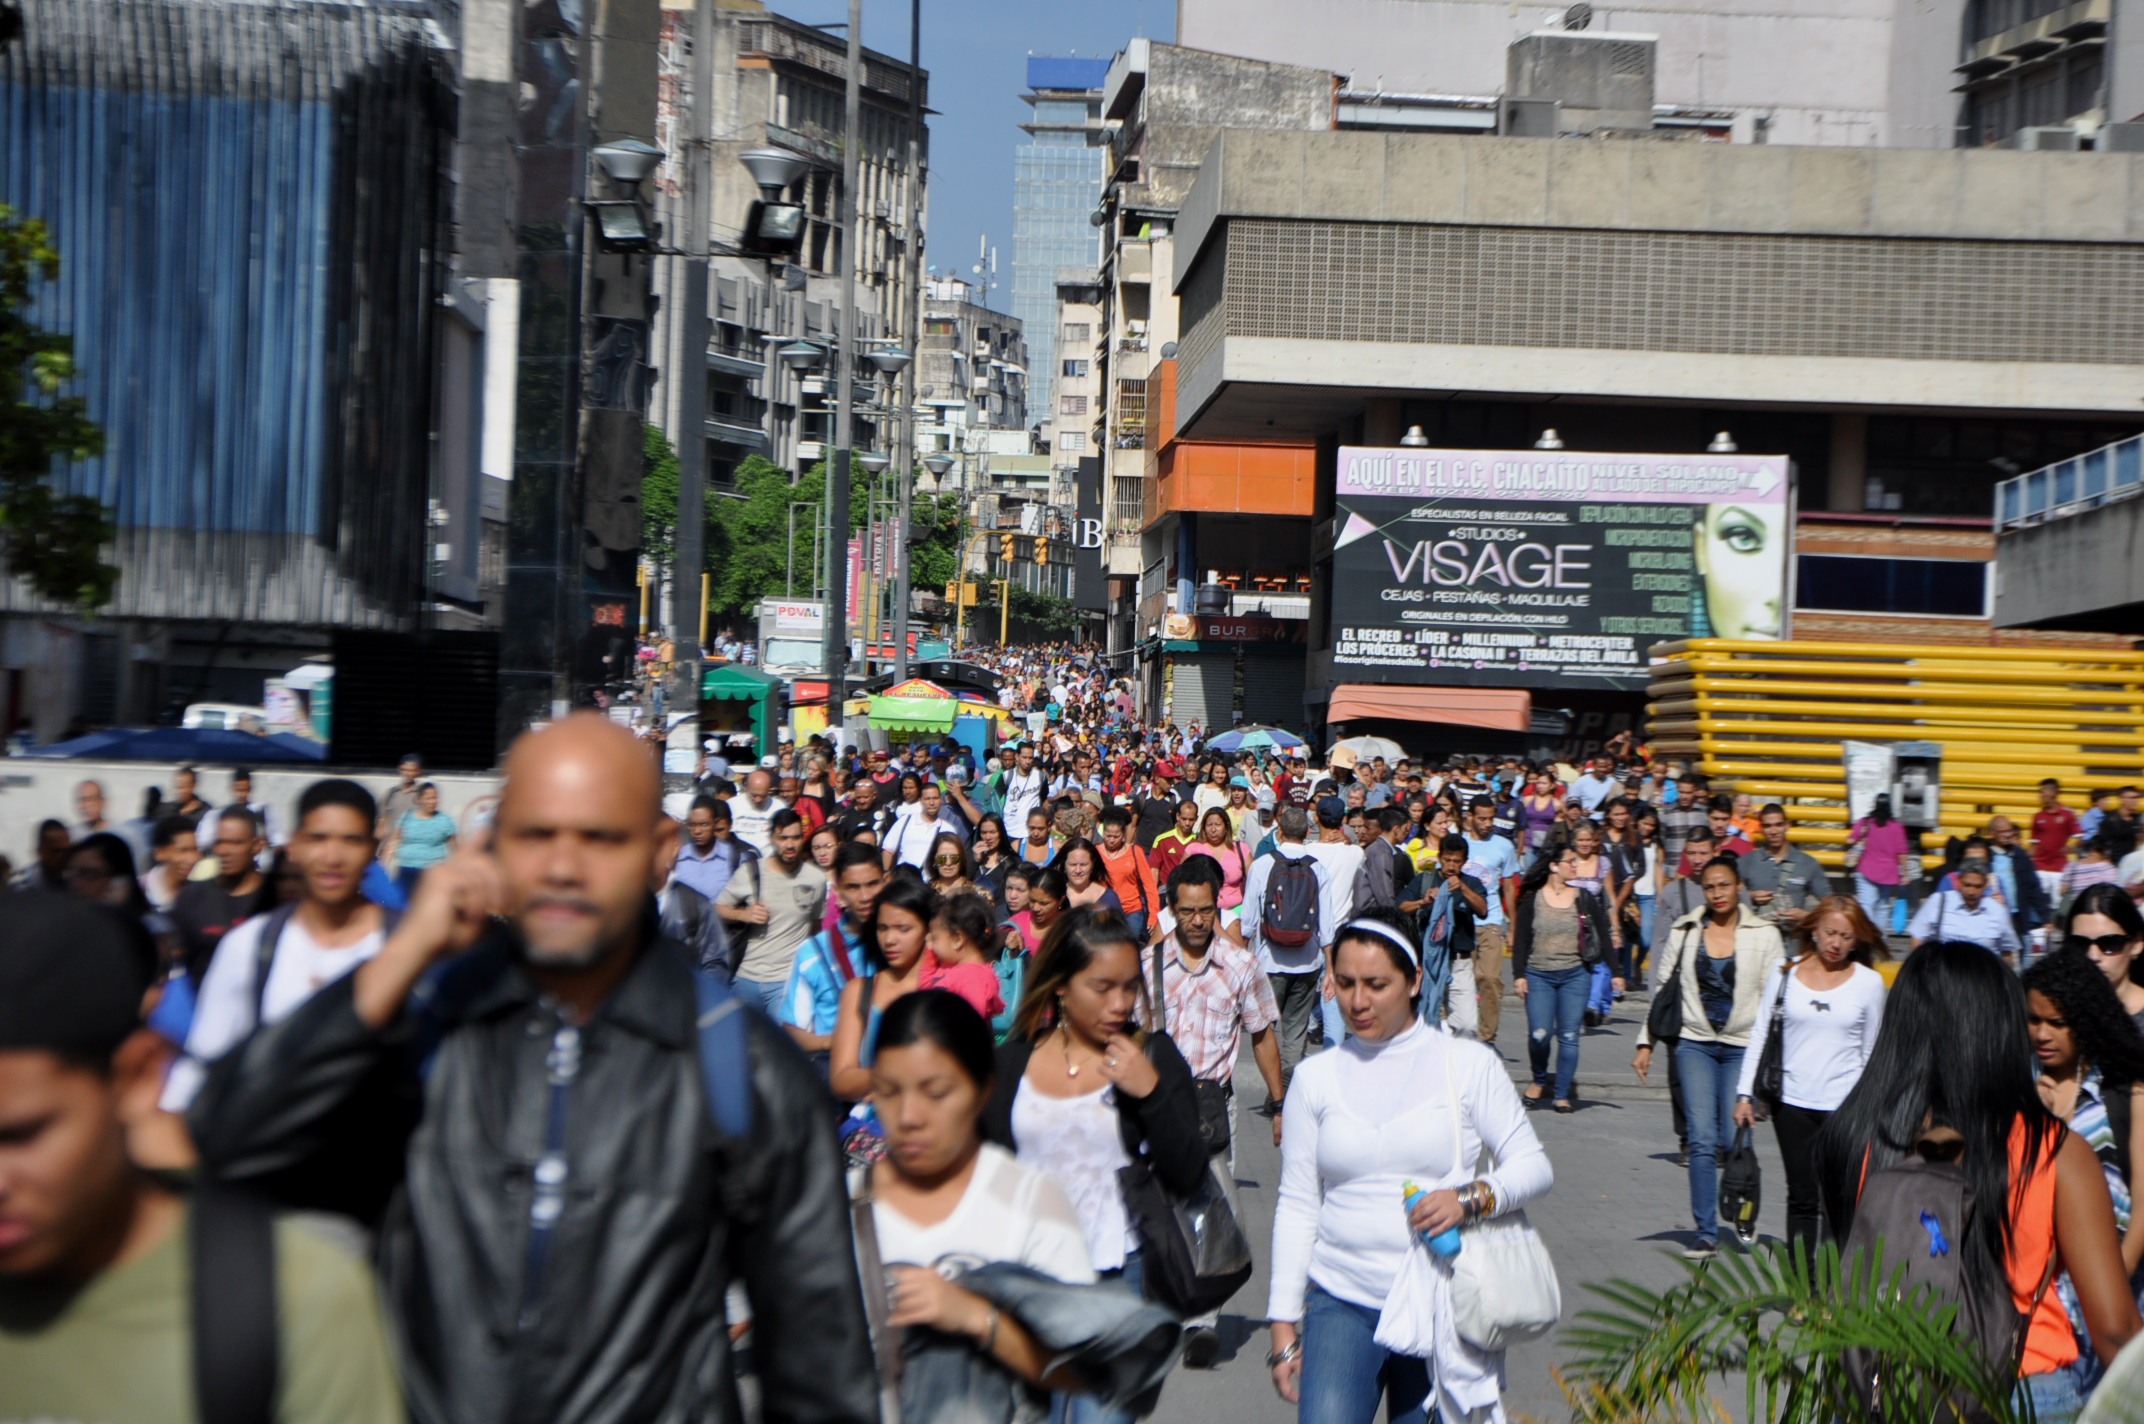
[{"x": 181, "y": 744}]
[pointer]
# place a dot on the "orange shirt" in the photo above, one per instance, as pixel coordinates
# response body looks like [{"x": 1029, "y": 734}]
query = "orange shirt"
[
  {"x": 2049, "y": 1341},
  {"x": 1128, "y": 873}
]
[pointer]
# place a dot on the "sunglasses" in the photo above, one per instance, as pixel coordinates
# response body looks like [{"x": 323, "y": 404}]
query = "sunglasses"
[{"x": 2107, "y": 944}]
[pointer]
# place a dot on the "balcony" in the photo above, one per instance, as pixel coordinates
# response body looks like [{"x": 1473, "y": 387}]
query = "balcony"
[
  {"x": 735, "y": 434},
  {"x": 731, "y": 361},
  {"x": 2084, "y": 20}
]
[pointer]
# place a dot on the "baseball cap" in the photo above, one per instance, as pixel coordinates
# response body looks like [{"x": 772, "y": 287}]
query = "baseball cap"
[
  {"x": 956, "y": 772},
  {"x": 770, "y": 763}
]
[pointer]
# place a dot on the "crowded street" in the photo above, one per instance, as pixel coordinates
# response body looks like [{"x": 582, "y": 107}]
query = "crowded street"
[{"x": 1210, "y": 711}]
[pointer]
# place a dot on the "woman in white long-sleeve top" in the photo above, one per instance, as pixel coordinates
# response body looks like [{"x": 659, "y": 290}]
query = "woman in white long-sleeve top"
[{"x": 1362, "y": 1119}]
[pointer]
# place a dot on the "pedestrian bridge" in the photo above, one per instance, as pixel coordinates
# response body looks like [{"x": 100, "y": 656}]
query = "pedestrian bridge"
[{"x": 2069, "y": 543}]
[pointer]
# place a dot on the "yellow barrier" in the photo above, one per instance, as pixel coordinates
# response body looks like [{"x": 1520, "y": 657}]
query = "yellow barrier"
[{"x": 1767, "y": 718}]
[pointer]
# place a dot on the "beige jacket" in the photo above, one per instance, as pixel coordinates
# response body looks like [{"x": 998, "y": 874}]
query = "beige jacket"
[{"x": 1758, "y": 951}]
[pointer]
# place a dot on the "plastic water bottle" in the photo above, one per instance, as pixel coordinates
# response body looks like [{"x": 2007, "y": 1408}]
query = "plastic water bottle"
[{"x": 1446, "y": 1242}]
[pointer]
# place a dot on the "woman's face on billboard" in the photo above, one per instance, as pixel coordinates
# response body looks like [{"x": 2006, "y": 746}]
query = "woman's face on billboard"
[{"x": 1739, "y": 553}]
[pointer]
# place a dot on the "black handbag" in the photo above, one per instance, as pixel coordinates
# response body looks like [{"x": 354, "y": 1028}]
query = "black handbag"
[
  {"x": 1770, "y": 1085},
  {"x": 1663, "y": 1021},
  {"x": 1741, "y": 1186},
  {"x": 1215, "y": 1107},
  {"x": 1194, "y": 1252}
]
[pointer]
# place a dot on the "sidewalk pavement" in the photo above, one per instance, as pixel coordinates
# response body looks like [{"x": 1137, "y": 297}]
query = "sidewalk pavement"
[{"x": 1620, "y": 1209}]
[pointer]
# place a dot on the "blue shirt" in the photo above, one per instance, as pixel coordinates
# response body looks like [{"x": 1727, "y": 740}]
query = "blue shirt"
[
  {"x": 424, "y": 840},
  {"x": 710, "y": 872},
  {"x": 1489, "y": 862},
  {"x": 811, "y": 1000}
]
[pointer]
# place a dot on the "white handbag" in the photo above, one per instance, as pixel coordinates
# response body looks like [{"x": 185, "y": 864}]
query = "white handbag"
[{"x": 1503, "y": 1283}]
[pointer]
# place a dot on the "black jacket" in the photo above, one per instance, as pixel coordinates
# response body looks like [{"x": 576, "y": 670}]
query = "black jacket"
[
  {"x": 1593, "y": 937},
  {"x": 623, "y": 1320},
  {"x": 1162, "y": 1127}
]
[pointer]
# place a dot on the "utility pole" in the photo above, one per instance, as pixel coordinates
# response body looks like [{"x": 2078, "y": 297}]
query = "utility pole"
[
  {"x": 837, "y": 495},
  {"x": 688, "y": 602},
  {"x": 912, "y": 259}
]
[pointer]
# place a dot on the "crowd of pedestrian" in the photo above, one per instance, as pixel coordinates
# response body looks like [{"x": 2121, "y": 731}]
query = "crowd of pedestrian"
[{"x": 858, "y": 1078}]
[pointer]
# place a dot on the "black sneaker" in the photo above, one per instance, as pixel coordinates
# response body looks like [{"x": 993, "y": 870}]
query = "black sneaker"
[
  {"x": 1202, "y": 1346},
  {"x": 1700, "y": 1251}
]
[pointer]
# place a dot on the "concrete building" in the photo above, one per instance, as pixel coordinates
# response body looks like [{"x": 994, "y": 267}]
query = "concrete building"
[
  {"x": 780, "y": 83},
  {"x": 317, "y": 443},
  {"x": 1068, "y": 422},
  {"x": 1167, "y": 105},
  {"x": 971, "y": 370},
  {"x": 1056, "y": 182},
  {"x": 1853, "y": 73},
  {"x": 1907, "y": 327}
]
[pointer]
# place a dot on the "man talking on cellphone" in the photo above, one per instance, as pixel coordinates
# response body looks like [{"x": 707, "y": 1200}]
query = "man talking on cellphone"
[{"x": 571, "y": 1212}]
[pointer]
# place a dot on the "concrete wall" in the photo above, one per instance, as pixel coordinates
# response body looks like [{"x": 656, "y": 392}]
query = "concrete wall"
[
  {"x": 1674, "y": 187},
  {"x": 32, "y": 789},
  {"x": 2086, "y": 571},
  {"x": 1191, "y": 96},
  {"x": 1844, "y": 72}
]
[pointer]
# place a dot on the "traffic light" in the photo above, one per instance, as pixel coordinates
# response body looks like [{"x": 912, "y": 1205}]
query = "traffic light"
[
  {"x": 1042, "y": 550},
  {"x": 1005, "y": 542},
  {"x": 952, "y": 592}
]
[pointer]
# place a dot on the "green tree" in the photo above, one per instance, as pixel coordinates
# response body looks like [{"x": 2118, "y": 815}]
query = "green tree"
[
  {"x": 1783, "y": 1322},
  {"x": 658, "y": 495},
  {"x": 1034, "y": 617},
  {"x": 748, "y": 548},
  {"x": 54, "y": 541}
]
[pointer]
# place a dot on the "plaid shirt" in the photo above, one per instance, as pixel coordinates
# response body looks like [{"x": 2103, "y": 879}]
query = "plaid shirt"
[{"x": 1209, "y": 1010}]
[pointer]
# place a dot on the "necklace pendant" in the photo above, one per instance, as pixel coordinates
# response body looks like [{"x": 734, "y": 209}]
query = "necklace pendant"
[{"x": 1071, "y": 1070}]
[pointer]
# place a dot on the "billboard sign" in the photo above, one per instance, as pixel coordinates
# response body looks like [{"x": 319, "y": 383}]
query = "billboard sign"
[{"x": 1549, "y": 568}]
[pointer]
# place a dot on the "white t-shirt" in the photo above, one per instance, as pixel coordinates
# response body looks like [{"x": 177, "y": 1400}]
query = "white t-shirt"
[
  {"x": 1010, "y": 1212},
  {"x": 1079, "y": 1143},
  {"x": 1830, "y": 1035},
  {"x": 1341, "y": 861},
  {"x": 749, "y": 823},
  {"x": 223, "y": 1014}
]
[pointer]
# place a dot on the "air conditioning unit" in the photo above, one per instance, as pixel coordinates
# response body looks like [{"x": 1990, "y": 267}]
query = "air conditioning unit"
[
  {"x": 2052, "y": 138},
  {"x": 2120, "y": 138}
]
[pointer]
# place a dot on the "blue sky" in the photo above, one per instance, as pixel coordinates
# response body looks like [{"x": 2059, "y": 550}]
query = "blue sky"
[{"x": 976, "y": 52}]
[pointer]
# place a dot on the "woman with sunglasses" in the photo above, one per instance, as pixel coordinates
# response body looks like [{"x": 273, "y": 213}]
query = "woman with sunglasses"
[
  {"x": 2105, "y": 925},
  {"x": 951, "y": 867}
]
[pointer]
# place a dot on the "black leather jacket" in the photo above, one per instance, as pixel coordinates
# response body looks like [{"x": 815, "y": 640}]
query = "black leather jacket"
[{"x": 622, "y": 1318}]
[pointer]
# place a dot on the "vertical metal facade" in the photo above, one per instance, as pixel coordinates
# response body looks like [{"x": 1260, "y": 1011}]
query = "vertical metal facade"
[{"x": 247, "y": 200}]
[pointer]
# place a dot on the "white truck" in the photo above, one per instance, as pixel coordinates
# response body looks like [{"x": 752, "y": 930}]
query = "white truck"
[{"x": 792, "y": 637}]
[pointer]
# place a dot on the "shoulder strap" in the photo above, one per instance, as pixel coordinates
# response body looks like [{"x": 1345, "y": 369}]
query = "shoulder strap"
[
  {"x": 232, "y": 1287},
  {"x": 272, "y": 927},
  {"x": 725, "y": 1070}
]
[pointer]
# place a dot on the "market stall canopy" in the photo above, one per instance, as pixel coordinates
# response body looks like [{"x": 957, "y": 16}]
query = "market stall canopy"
[
  {"x": 1501, "y": 709},
  {"x": 914, "y": 706},
  {"x": 734, "y": 682},
  {"x": 189, "y": 744}
]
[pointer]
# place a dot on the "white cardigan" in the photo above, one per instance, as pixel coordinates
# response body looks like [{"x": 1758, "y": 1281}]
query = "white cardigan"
[
  {"x": 1364, "y": 1117},
  {"x": 1758, "y": 951}
]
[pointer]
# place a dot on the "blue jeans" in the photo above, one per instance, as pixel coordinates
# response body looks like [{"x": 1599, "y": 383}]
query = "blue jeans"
[
  {"x": 1709, "y": 1072},
  {"x": 1875, "y": 900},
  {"x": 1345, "y": 1370},
  {"x": 1600, "y": 988},
  {"x": 1645, "y": 934},
  {"x": 1084, "y": 1408},
  {"x": 762, "y": 994},
  {"x": 1555, "y": 1004},
  {"x": 1329, "y": 1017},
  {"x": 2058, "y": 1396}
]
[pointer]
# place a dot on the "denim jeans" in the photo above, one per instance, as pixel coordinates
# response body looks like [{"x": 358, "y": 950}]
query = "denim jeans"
[
  {"x": 1085, "y": 1408},
  {"x": 1329, "y": 1017},
  {"x": 1645, "y": 935},
  {"x": 1555, "y": 1006},
  {"x": 1600, "y": 989},
  {"x": 1709, "y": 1072},
  {"x": 762, "y": 994},
  {"x": 1345, "y": 1370},
  {"x": 1875, "y": 900},
  {"x": 2058, "y": 1396}
]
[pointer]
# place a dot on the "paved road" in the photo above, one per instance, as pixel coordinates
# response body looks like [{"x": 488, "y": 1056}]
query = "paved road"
[{"x": 1620, "y": 1208}]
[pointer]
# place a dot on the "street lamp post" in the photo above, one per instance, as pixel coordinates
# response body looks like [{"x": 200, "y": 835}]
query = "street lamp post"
[{"x": 837, "y": 498}]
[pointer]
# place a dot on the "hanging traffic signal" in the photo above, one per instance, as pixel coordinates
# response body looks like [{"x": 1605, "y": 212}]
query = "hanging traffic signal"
[{"x": 1005, "y": 543}]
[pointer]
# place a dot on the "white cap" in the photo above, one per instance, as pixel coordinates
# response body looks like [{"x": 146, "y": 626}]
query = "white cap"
[{"x": 770, "y": 763}]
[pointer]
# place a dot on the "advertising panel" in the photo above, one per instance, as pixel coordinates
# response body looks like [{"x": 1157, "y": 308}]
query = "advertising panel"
[{"x": 1549, "y": 568}]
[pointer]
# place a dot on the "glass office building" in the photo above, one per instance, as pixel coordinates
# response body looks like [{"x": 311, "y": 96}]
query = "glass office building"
[{"x": 1057, "y": 184}]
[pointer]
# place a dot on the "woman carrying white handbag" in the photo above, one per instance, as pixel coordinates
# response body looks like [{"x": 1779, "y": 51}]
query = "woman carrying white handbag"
[{"x": 1359, "y": 1310}]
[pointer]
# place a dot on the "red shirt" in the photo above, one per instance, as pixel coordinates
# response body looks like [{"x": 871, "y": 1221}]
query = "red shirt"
[{"x": 2052, "y": 832}]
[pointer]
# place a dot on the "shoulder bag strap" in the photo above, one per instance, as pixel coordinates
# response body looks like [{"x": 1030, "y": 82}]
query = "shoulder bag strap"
[
  {"x": 264, "y": 948},
  {"x": 885, "y": 1336},
  {"x": 237, "y": 1345}
]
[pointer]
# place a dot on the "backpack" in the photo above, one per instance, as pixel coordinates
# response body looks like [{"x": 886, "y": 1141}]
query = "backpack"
[
  {"x": 1288, "y": 917},
  {"x": 1914, "y": 1215}
]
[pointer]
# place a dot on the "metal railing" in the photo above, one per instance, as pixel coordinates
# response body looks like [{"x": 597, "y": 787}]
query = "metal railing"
[{"x": 2070, "y": 487}]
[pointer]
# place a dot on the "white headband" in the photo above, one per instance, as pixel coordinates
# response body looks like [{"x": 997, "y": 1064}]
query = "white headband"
[{"x": 1385, "y": 932}]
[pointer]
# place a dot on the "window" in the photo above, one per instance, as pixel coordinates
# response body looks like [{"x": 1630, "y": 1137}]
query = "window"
[
  {"x": 1071, "y": 405},
  {"x": 1075, "y": 368},
  {"x": 1079, "y": 332},
  {"x": 1071, "y": 442},
  {"x": 938, "y": 326},
  {"x": 1937, "y": 588}
]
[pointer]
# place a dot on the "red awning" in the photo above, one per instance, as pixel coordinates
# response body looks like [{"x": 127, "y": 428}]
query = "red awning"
[{"x": 1502, "y": 709}]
